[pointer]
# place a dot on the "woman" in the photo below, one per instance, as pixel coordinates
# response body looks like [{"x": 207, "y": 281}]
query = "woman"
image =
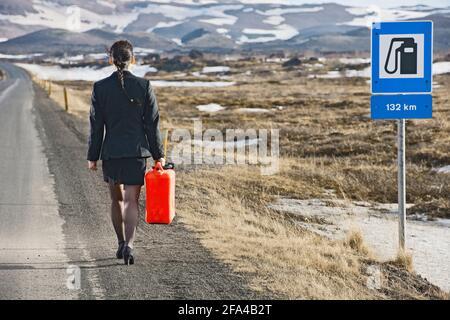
[{"x": 126, "y": 106}]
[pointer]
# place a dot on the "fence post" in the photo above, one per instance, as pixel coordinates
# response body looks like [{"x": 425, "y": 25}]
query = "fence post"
[
  {"x": 66, "y": 100},
  {"x": 166, "y": 138}
]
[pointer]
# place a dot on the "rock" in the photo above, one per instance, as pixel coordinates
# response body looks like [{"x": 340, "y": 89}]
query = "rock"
[
  {"x": 278, "y": 54},
  {"x": 177, "y": 63},
  {"x": 195, "y": 54},
  {"x": 292, "y": 62},
  {"x": 197, "y": 33},
  {"x": 152, "y": 57}
]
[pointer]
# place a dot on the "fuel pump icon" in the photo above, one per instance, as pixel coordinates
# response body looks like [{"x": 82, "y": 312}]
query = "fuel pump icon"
[{"x": 406, "y": 53}]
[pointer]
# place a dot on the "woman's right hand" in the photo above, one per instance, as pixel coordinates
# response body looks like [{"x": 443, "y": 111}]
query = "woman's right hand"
[{"x": 162, "y": 161}]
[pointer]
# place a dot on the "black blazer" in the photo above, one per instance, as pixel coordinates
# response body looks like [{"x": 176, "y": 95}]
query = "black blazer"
[{"x": 132, "y": 130}]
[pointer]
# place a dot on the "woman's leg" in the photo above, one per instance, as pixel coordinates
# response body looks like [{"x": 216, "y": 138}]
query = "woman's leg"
[
  {"x": 131, "y": 212},
  {"x": 117, "y": 210}
]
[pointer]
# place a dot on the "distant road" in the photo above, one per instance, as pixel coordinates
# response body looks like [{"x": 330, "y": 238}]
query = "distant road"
[{"x": 54, "y": 214}]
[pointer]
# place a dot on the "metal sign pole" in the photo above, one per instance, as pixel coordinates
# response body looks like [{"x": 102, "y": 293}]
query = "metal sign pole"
[{"x": 401, "y": 183}]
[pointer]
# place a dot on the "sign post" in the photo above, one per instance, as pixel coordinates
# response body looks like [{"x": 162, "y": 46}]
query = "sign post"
[
  {"x": 402, "y": 54},
  {"x": 401, "y": 183}
]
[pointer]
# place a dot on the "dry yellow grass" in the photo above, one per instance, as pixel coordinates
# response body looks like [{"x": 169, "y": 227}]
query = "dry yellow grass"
[
  {"x": 404, "y": 260},
  {"x": 78, "y": 97},
  {"x": 280, "y": 257},
  {"x": 355, "y": 240}
]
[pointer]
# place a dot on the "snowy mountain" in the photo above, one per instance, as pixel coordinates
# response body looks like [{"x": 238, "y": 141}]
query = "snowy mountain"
[{"x": 207, "y": 24}]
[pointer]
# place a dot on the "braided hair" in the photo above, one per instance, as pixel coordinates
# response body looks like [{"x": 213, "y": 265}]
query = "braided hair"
[{"x": 122, "y": 53}]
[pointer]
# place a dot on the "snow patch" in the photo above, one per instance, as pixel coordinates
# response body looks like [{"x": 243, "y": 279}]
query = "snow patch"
[
  {"x": 189, "y": 2},
  {"x": 19, "y": 56},
  {"x": 443, "y": 222},
  {"x": 281, "y": 32},
  {"x": 222, "y": 30},
  {"x": 98, "y": 56},
  {"x": 441, "y": 67},
  {"x": 353, "y": 61},
  {"x": 143, "y": 51},
  {"x": 274, "y": 20},
  {"x": 373, "y": 13},
  {"x": 177, "y": 41},
  {"x": 252, "y": 110},
  {"x": 445, "y": 169},
  {"x": 212, "y": 107},
  {"x": 365, "y": 73},
  {"x": 66, "y": 60},
  {"x": 107, "y": 4},
  {"x": 216, "y": 69},
  {"x": 230, "y": 20},
  {"x": 282, "y": 11},
  {"x": 162, "y": 24},
  {"x": 198, "y": 74}
]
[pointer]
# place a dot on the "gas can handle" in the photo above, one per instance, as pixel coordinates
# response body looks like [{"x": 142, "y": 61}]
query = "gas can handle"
[{"x": 158, "y": 167}]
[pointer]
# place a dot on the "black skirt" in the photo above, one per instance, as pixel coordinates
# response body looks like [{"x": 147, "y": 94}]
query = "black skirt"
[{"x": 128, "y": 171}]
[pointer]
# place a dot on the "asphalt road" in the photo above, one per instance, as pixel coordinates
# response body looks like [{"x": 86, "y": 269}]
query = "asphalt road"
[{"x": 54, "y": 216}]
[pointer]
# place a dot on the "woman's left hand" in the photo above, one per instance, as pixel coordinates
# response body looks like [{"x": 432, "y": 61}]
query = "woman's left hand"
[{"x": 162, "y": 161}]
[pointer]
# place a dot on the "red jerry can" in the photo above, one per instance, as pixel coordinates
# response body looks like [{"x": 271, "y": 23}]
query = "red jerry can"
[{"x": 160, "y": 194}]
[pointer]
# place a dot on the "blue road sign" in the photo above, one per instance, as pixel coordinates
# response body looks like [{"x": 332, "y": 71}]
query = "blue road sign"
[
  {"x": 410, "y": 106},
  {"x": 402, "y": 54}
]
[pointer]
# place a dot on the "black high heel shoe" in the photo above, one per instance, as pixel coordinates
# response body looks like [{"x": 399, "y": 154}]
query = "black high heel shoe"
[
  {"x": 128, "y": 256},
  {"x": 119, "y": 253}
]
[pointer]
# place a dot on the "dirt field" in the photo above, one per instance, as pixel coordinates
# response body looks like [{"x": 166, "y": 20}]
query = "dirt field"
[{"x": 328, "y": 144}]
